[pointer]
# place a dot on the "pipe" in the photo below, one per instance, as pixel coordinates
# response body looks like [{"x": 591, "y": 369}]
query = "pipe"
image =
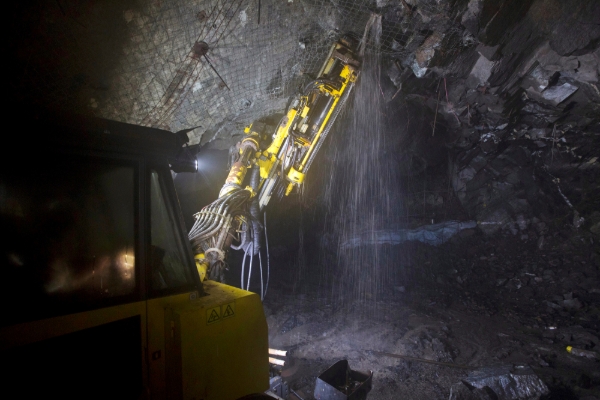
[
  {"x": 210, "y": 216},
  {"x": 319, "y": 112},
  {"x": 255, "y": 209},
  {"x": 250, "y": 266},
  {"x": 262, "y": 287},
  {"x": 216, "y": 217},
  {"x": 275, "y": 352},
  {"x": 268, "y": 258},
  {"x": 275, "y": 361},
  {"x": 243, "y": 233},
  {"x": 243, "y": 267},
  {"x": 314, "y": 85}
]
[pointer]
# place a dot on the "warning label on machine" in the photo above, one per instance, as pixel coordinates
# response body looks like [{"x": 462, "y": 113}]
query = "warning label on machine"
[
  {"x": 213, "y": 315},
  {"x": 228, "y": 310},
  {"x": 216, "y": 314}
]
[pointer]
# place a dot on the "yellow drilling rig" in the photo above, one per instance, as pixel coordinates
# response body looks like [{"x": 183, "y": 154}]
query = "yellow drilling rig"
[
  {"x": 102, "y": 297},
  {"x": 263, "y": 166}
]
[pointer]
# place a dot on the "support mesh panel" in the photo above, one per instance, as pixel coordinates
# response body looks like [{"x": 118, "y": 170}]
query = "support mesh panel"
[{"x": 138, "y": 62}]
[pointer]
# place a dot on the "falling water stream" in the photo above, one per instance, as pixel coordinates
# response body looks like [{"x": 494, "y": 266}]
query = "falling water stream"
[{"x": 361, "y": 194}]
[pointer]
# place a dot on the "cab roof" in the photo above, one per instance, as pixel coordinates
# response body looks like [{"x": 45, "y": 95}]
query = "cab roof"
[{"x": 56, "y": 129}]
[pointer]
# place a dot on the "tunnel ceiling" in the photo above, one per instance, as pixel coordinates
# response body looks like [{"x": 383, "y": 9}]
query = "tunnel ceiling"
[
  {"x": 216, "y": 64},
  {"x": 507, "y": 89}
]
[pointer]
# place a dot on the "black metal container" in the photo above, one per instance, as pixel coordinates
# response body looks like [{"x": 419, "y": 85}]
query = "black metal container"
[{"x": 339, "y": 382}]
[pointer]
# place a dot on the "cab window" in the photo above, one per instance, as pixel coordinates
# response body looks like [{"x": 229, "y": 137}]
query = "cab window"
[
  {"x": 68, "y": 229},
  {"x": 169, "y": 262}
]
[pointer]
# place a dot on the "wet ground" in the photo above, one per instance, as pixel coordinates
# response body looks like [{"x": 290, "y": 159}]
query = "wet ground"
[{"x": 471, "y": 302}]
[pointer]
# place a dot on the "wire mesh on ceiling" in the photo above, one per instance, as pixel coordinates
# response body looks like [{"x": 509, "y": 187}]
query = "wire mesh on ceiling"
[{"x": 177, "y": 64}]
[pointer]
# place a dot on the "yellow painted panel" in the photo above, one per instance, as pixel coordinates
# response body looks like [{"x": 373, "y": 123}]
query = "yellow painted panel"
[
  {"x": 265, "y": 167},
  {"x": 157, "y": 330},
  {"x": 282, "y": 132},
  {"x": 35, "y": 331},
  {"x": 224, "y": 344}
]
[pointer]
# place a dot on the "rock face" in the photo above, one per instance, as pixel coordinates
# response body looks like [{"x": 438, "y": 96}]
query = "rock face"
[
  {"x": 519, "y": 95},
  {"x": 216, "y": 65},
  {"x": 425, "y": 53},
  {"x": 212, "y": 64},
  {"x": 493, "y": 105}
]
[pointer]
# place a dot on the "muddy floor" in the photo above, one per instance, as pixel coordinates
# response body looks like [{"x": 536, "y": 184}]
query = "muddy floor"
[{"x": 470, "y": 303}]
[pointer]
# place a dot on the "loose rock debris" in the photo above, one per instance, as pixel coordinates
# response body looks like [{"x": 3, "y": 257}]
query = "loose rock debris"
[{"x": 502, "y": 307}]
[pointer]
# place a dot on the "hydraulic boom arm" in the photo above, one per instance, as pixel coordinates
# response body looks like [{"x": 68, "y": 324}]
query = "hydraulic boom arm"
[{"x": 261, "y": 170}]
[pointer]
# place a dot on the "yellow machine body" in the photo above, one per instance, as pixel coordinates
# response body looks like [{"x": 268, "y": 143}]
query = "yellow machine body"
[
  {"x": 219, "y": 369},
  {"x": 201, "y": 265},
  {"x": 348, "y": 76},
  {"x": 295, "y": 176},
  {"x": 212, "y": 347},
  {"x": 268, "y": 158},
  {"x": 68, "y": 332}
]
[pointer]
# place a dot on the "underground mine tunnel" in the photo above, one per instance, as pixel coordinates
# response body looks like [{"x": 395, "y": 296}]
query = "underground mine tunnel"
[{"x": 301, "y": 199}]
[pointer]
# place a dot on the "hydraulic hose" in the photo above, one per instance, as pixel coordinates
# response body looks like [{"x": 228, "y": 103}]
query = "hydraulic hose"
[
  {"x": 250, "y": 267},
  {"x": 212, "y": 217},
  {"x": 255, "y": 210},
  {"x": 243, "y": 268},
  {"x": 243, "y": 234},
  {"x": 314, "y": 85},
  {"x": 262, "y": 288},
  {"x": 268, "y": 261}
]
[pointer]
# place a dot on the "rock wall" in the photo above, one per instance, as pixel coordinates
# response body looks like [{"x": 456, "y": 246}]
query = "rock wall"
[{"x": 513, "y": 87}]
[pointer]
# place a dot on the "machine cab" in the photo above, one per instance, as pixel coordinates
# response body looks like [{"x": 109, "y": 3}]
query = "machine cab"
[{"x": 100, "y": 294}]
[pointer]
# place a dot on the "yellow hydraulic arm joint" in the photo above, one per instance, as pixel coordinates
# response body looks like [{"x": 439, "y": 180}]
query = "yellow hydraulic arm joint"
[
  {"x": 201, "y": 265},
  {"x": 247, "y": 149}
]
